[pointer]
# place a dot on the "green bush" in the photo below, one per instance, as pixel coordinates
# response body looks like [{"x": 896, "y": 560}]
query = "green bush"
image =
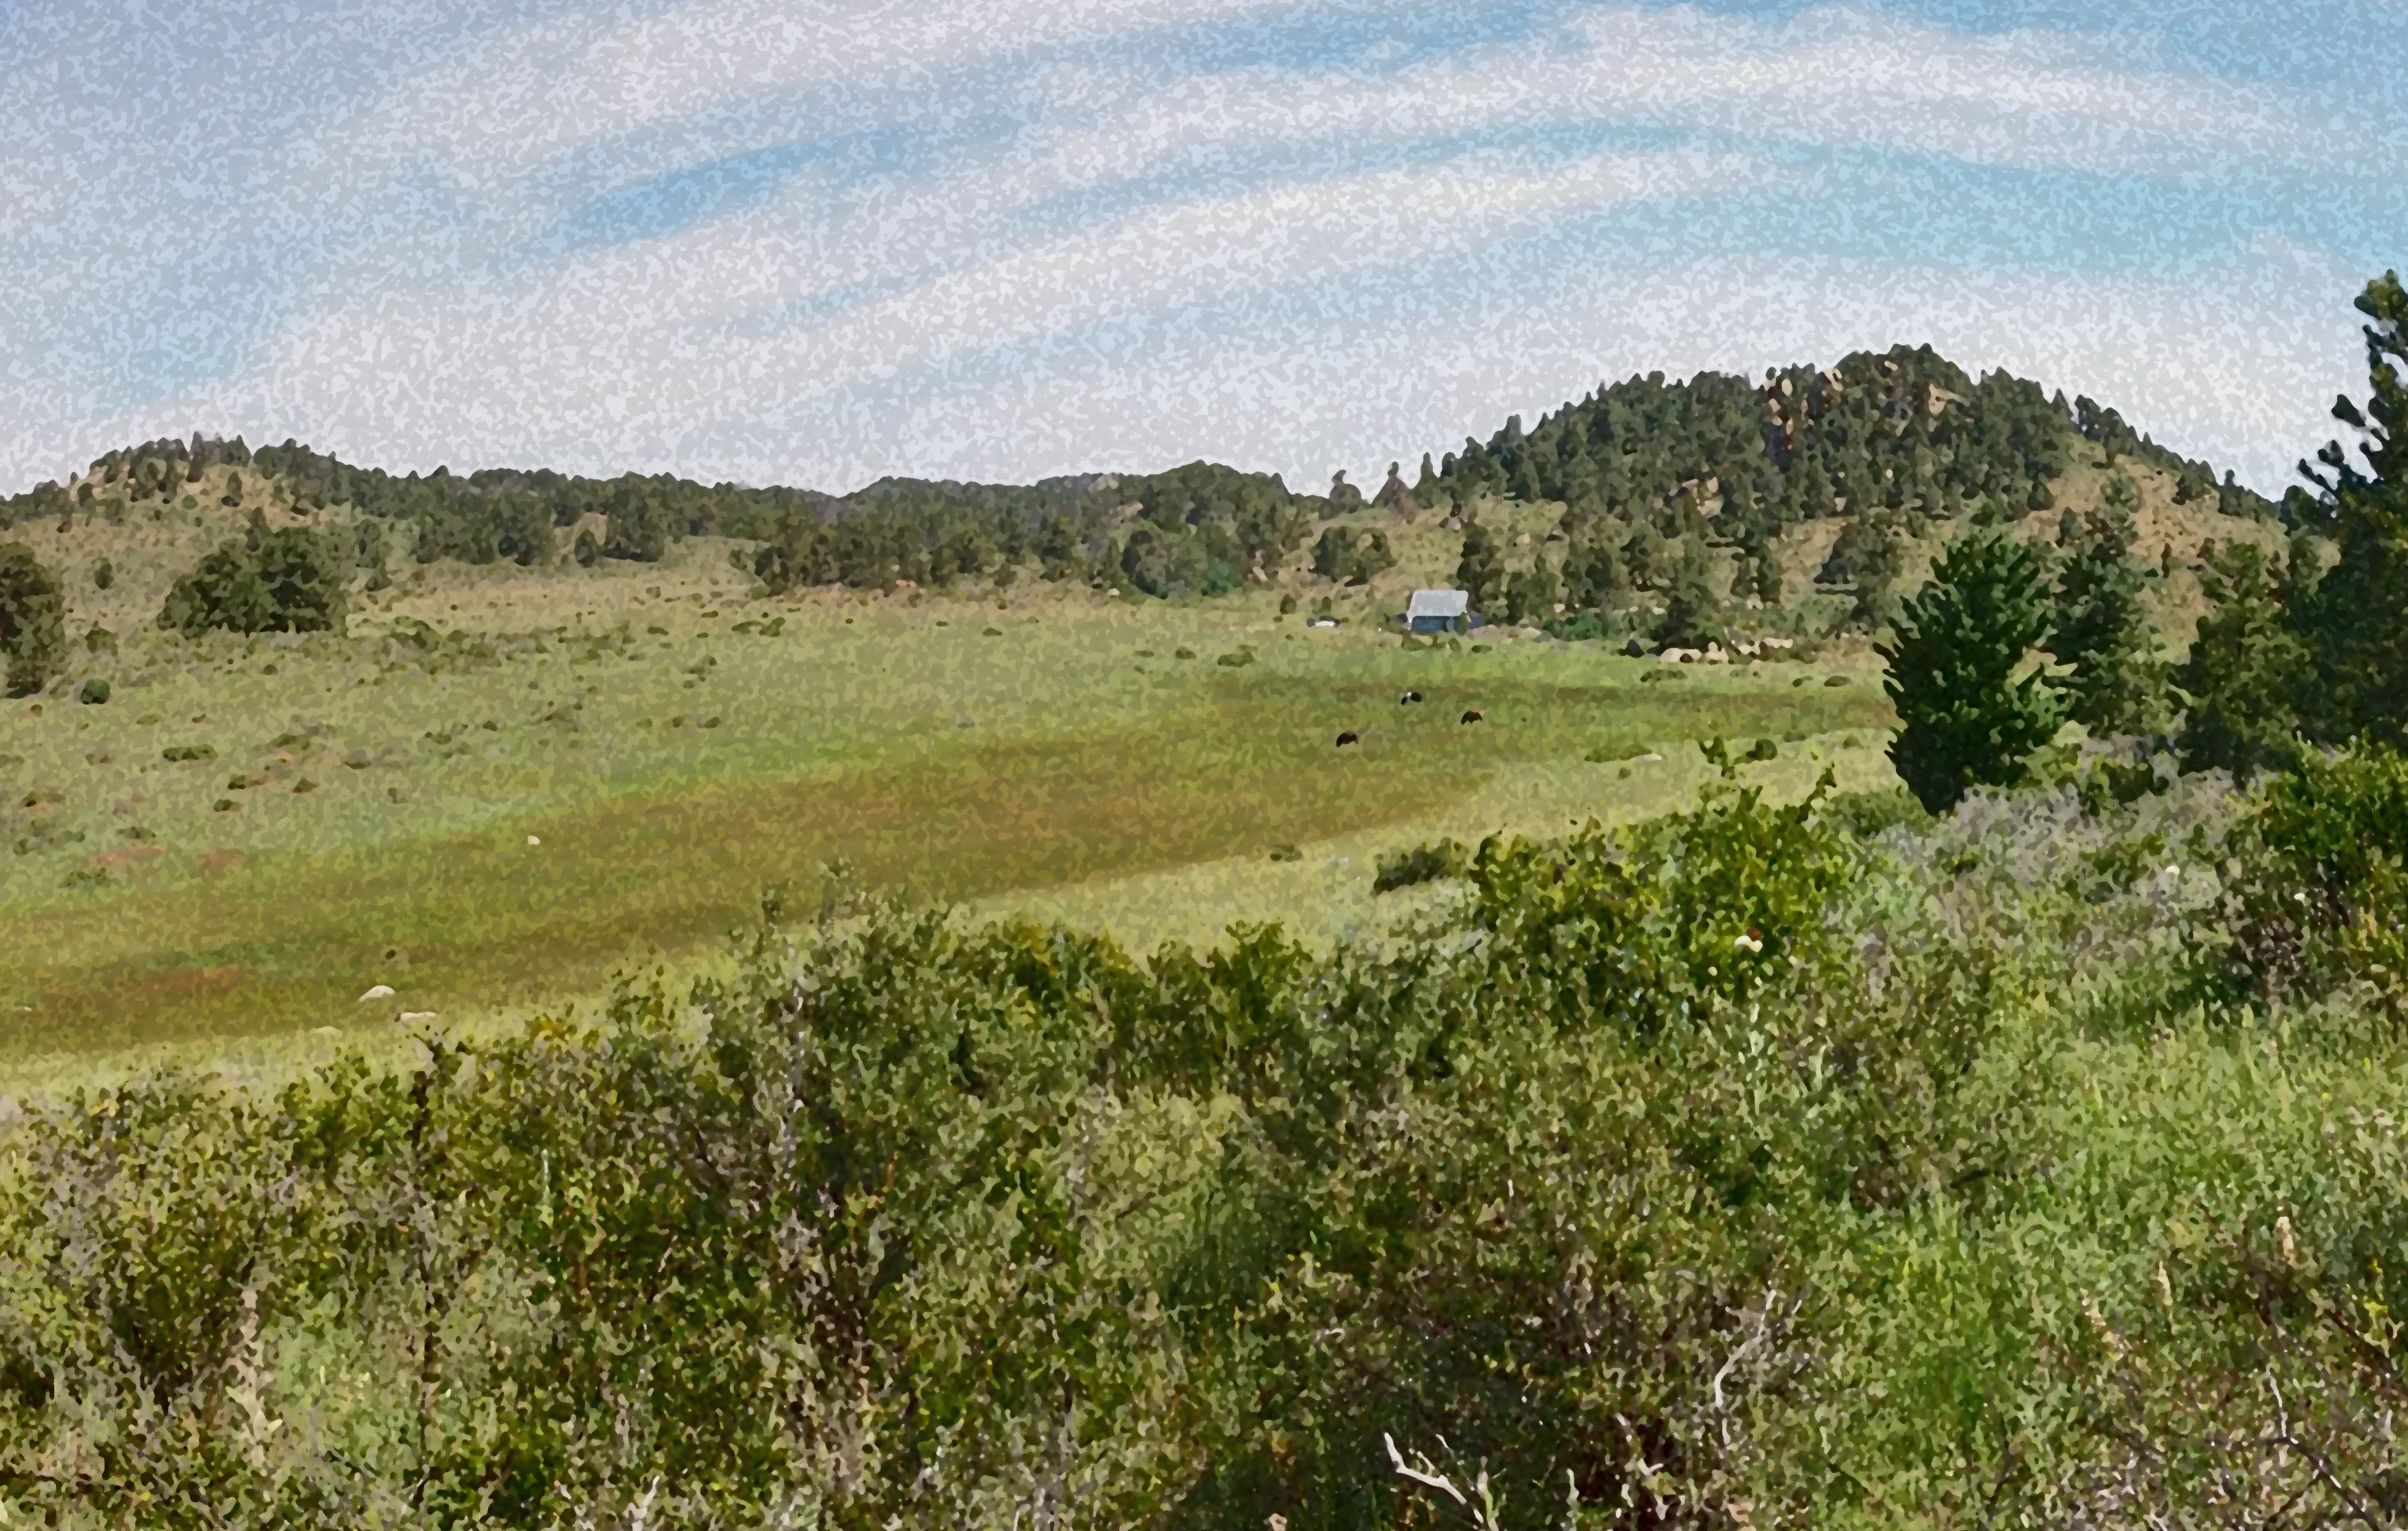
[
  {"x": 292, "y": 581},
  {"x": 1420, "y": 864},
  {"x": 2322, "y": 898},
  {"x": 1728, "y": 1158},
  {"x": 94, "y": 692}
]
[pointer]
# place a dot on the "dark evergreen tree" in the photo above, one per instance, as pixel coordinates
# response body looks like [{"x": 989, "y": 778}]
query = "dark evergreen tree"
[
  {"x": 1693, "y": 612},
  {"x": 2101, "y": 628},
  {"x": 2240, "y": 687},
  {"x": 33, "y": 620},
  {"x": 1967, "y": 718},
  {"x": 2355, "y": 623},
  {"x": 1481, "y": 571}
]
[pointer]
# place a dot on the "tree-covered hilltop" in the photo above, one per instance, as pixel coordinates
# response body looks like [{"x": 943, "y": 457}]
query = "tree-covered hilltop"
[{"x": 1905, "y": 431}]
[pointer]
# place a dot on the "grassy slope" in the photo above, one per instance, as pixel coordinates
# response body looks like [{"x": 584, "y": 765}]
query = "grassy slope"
[{"x": 1090, "y": 781}]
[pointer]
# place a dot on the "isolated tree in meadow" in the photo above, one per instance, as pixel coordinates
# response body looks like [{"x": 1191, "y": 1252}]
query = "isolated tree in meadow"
[
  {"x": 33, "y": 620},
  {"x": 2355, "y": 624},
  {"x": 1967, "y": 718},
  {"x": 2239, "y": 686},
  {"x": 2101, "y": 628}
]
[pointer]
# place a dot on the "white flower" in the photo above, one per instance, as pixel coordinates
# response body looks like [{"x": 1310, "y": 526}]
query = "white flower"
[{"x": 1749, "y": 942}]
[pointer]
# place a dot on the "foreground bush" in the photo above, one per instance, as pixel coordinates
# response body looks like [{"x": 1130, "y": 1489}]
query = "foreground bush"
[{"x": 1763, "y": 1166}]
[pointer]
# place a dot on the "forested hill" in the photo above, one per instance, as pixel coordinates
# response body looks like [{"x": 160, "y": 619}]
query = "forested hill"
[
  {"x": 1905, "y": 431},
  {"x": 1901, "y": 436}
]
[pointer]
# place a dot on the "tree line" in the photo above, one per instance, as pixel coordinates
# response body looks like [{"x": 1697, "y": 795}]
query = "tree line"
[{"x": 1652, "y": 474}]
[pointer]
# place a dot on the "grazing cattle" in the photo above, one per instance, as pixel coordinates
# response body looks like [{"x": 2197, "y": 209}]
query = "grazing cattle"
[
  {"x": 1475, "y": 715},
  {"x": 1409, "y": 699},
  {"x": 1349, "y": 737}
]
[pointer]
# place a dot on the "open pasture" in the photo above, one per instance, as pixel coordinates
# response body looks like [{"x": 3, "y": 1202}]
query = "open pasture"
[{"x": 571, "y": 772}]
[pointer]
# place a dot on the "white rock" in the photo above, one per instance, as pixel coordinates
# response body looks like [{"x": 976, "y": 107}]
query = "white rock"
[
  {"x": 532, "y": 840},
  {"x": 381, "y": 991},
  {"x": 418, "y": 1014}
]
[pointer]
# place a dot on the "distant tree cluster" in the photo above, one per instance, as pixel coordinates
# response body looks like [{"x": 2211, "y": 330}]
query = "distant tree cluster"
[
  {"x": 1647, "y": 469},
  {"x": 1201, "y": 529}
]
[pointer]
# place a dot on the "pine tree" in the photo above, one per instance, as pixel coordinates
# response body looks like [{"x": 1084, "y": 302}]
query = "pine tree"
[
  {"x": 1769, "y": 572},
  {"x": 2356, "y": 622},
  {"x": 1480, "y": 571},
  {"x": 1692, "y": 610},
  {"x": 2102, "y": 629},
  {"x": 2239, "y": 686},
  {"x": 1967, "y": 719},
  {"x": 33, "y": 620}
]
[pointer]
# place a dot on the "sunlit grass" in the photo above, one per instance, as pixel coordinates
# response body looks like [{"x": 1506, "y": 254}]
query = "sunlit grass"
[{"x": 1068, "y": 761}]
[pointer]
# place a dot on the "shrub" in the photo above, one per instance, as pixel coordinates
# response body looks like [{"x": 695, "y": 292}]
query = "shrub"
[
  {"x": 1420, "y": 864},
  {"x": 2323, "y": 896},
  {"x": 94, "y": 692},
  {"x": 292, "y": 581}
]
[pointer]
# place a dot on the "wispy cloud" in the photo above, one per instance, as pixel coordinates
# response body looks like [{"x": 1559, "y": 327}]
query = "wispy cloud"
[{"x": 736, "y": 239}]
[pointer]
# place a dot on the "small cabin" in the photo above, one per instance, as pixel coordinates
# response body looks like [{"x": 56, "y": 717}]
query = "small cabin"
[{"x": 1441, "y": 611}]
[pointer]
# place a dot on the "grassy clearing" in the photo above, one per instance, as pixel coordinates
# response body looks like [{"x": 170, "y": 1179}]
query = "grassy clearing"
[{"x": 362, "y": 808}]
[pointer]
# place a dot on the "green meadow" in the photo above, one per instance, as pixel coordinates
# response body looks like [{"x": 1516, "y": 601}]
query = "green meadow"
[{"x": 499, "y": 788}]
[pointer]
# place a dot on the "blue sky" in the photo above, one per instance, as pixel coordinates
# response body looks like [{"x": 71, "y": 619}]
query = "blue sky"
[{"x": 816, "y": 243}]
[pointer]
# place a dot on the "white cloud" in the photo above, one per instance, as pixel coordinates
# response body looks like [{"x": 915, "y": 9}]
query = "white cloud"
[{"x": 1255, "y": 281}]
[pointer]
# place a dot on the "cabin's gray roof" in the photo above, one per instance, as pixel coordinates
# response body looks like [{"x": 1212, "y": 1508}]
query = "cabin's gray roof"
[{"x": 1437, "y": 603}]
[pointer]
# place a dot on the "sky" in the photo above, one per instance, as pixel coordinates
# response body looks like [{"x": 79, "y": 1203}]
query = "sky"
[{"x": 778, "y": 241}]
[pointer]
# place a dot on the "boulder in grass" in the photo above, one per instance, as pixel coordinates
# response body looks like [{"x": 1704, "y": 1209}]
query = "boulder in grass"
[{"x": 381, "y": 991}]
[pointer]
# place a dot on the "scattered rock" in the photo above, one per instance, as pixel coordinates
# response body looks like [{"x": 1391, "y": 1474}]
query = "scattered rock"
[{"x": 380, "y": 991}]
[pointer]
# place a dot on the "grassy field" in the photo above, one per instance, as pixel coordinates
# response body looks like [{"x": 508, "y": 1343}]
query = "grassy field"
[{"x": 577, "y": 771}]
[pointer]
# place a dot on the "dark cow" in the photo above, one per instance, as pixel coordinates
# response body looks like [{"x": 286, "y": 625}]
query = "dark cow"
[
  {"x": 1349, "y": 737},
  {"x": 1409, "y": 699},
  {"x": 1475, "y": 715}
]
